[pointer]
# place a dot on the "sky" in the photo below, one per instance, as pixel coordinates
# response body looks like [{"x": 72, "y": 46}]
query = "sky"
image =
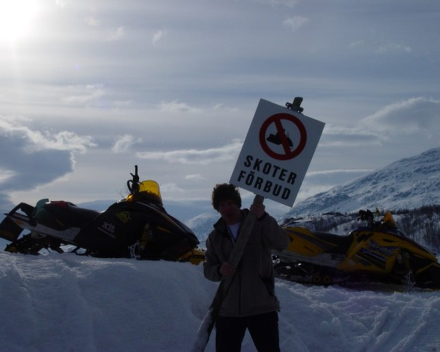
[
  {"x": 65, "y": 302},
  {"x": 88, "y": 89}
]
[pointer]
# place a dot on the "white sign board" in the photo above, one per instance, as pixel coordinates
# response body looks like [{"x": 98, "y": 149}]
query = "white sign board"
[{"x": 276, "y": 153}]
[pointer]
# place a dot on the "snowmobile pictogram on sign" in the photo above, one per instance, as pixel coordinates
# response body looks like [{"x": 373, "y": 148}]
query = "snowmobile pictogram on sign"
[{"x": 282, "y": 124}]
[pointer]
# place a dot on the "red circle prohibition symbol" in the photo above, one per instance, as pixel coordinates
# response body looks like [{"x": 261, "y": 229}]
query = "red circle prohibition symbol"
[{"x": 288, "y": 153}]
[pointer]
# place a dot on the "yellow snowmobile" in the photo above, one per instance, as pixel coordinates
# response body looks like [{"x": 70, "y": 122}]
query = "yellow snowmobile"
[{"x": 379, "y": 252}]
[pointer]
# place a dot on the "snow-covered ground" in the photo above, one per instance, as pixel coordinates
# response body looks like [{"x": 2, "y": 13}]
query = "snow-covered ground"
[{"x": 64, "y": 302}]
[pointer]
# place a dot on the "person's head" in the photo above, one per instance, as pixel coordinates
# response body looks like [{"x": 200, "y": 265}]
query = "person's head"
[
  {"x": 227, "y": 201},
  {"x": 225, "y": 192}
]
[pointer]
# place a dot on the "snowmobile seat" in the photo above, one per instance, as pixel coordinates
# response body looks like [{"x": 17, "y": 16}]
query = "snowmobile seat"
[
  {"x": 342, "y": 243},
  {"x": 61, "y": 214}
]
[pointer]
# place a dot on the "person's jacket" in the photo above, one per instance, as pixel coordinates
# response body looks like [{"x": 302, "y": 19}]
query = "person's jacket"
[{"x": 252, "y": 288}]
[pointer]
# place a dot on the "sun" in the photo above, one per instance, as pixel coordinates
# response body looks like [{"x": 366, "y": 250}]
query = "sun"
[{"x": 16, "y": 19}]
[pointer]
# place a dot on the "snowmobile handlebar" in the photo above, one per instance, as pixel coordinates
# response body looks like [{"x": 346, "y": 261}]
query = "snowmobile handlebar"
[
  {"x": 133, "y": 184},
  {"x": 367, "y": 215}
]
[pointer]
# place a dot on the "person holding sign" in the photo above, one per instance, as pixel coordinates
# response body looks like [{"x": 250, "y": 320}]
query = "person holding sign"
[{"x": 250, "y": 302}]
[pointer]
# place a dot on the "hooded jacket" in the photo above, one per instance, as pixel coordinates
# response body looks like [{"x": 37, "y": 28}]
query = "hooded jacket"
[{"x": 252, "y": 289}]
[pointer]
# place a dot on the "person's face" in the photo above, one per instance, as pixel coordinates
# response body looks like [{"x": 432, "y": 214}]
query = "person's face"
[{"x": 229, "y": 211}]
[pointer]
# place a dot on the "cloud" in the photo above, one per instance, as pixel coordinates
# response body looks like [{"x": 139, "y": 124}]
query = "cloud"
[
  {"x": 195, "y": 177},
  {"x": 197, "y": 157},
  {"x": 337, "y": 172},
  {"x": 116, "y": 34},
  {"x": 92, "y": 21},
  {"x": 31, "y": 158},
  {"x": 171, "y": 188},
  {"x": 124, "y": 143},
  {"x": 176, "y": 106},
  {"x": 296, "y": 22},
  {"x": 123, "y": 103},
  {"x": 392, "y": 47},
  {"x": 60, "y": 3},
  {"x": 412, "y": 116},
  {"x": 30, "y": 141},
  {"x": 288, "y": 3},
  {"x": 341, "y": 136},
  {"x": 82, "y": 94},
  {"x": 5, "y": 174},
  {"x": 158, "y": 36},
  {"x": 380, "y": 48}
]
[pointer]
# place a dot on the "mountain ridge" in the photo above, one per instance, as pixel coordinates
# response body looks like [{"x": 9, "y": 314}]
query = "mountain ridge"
[{"x": 404, "y": 184}]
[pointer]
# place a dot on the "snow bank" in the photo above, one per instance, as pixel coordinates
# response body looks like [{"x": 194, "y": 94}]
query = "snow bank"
[{"x": 63, "y": 302}]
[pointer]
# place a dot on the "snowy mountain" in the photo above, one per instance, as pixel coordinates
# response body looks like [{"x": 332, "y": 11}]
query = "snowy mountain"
[
  {"x": 405, "y": 184},
  {"x": 202, "y": 225}
]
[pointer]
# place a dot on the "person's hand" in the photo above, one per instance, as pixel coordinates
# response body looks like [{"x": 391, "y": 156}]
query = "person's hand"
[
  {"x": 257, "y": 209},
  {"x": 227, "y": 269}
]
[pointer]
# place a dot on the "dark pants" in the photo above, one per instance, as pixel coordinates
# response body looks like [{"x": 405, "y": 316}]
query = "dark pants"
[{"x": 263, "y": 329}]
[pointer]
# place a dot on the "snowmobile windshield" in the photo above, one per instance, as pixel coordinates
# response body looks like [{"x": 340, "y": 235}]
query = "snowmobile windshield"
[
  {"x": 151, "y": 190},
  {"x": 389, "y": 220},
  {"x": 147, "y": 190}
]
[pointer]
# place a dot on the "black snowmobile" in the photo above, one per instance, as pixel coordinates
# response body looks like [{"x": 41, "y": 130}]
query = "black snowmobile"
[
  {"x": 377, "y": 253},
  {"x": 137, "y": 227}
]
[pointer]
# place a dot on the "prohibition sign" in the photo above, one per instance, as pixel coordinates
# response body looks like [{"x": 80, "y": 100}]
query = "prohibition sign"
[{"x": 288, "y": 153}]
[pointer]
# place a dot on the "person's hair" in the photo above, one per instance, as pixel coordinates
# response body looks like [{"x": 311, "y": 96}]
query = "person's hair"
[{"x": 223, "y": 192}]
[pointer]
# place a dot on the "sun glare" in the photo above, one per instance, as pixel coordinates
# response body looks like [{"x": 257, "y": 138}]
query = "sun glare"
[{"x": 16, "y": 19}]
